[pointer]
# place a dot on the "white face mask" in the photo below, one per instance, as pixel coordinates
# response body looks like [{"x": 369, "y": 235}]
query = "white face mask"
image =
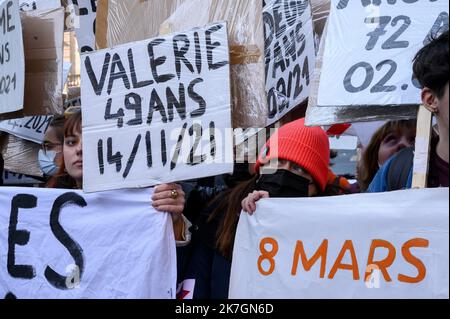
[{"x": 47, "y": 162}]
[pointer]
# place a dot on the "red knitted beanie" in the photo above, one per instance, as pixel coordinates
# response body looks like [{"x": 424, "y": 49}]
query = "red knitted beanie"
[{"x": 307, "y": 147}]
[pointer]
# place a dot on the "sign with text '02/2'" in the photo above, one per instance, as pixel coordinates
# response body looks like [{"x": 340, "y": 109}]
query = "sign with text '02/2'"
[
  {"x": 12, "y": 61},
  {"x": 370, "y": 47},
  {"x": 388, "y": 245},
  {"x": 157, "y": 111},
  {"x": 64, "y": 244},
  {"x": 290, "y": 55}
]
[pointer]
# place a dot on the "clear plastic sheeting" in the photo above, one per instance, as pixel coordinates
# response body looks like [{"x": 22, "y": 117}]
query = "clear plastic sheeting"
[
  {"x": 317, "y": 116},
  {"x": 21, "y": 156},
  {"x": 132, "y": 20}
]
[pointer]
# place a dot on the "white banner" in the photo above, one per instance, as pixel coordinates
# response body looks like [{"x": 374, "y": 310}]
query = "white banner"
[
  {"x": 12, "y": 61},
  {"x": 389, "y": 245},
  {"x": 39, "y": 5},
  {"x": 84, "y": 14},
  {"x": 64, "y": 244},
  {"x": 29, "y": 128},
  {"x": 157, "y": 111},
  {"x": 369, "y": 51},
  {"x": 290, "y": 55}
]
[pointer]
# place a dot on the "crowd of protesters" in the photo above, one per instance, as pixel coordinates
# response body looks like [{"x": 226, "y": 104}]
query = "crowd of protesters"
[{"x": 205, "y": 213}]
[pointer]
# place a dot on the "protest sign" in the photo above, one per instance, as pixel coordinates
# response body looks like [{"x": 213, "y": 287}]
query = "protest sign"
[
  {"x": 12, "y": 61},
  {"x": 316, "y": 116},
  {"x": 157, "y": 111},
  {"x": 289, "y": 53},
  {"x": 12, "y": 179},
  {"x": 388, "y": 245},
  {"x": 29, "y": 128},
  {"x": 63, "y": 244},
  {"x": 39, "y": 5},
  {"x": 369, "y": 51},
  {"x": 83, "y": 14}
]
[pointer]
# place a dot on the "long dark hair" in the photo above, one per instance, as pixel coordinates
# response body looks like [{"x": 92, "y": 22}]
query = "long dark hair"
[{"x": 62, "y": 179}]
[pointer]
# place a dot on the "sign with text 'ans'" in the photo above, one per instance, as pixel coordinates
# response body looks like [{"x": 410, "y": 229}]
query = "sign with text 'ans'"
[
  {"x": 388, "y": 245},
  {"x": 63, "y": 244},
  {"x": 157, "y": 111},
  {"x": 290, "y": 55},
  {"x": 370, "y": 47},
  {"x": 12, "y": 61}
]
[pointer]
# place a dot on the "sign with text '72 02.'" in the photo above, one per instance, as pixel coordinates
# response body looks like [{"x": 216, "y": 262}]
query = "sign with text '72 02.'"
[
  {"x": 12, "y": 61},
  {"x": 157, "y": 111},
  {"x": 370, "y": 48}
]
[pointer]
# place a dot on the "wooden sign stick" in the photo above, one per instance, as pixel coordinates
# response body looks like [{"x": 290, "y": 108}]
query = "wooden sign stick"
[{"x": 422, "y": 153}]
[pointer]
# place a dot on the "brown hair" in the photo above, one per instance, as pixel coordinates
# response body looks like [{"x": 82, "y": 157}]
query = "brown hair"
[
  {"x": 62, "y": 179},
  {"x": 369, "y": 166}
]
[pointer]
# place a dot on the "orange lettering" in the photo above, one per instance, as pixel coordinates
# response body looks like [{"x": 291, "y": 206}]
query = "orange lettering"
[
  {"x": 417, "y": 242},
  {"x": 308, "y": 264},
  {"x": 348, "y": 245},
  {"x": 383, "y": 264},
  {"x": 267, "y": 255}
]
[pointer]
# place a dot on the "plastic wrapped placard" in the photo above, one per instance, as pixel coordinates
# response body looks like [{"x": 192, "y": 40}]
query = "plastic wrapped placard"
[
  {"x": 157, "y": 111},
  {"x": 369, "y": 50}
]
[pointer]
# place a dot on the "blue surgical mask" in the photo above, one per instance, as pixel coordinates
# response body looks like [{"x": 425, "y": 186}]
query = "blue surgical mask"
[{"x": 47, "y": 162}]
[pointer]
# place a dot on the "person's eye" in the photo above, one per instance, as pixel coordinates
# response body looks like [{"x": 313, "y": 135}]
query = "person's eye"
[
  {"x": 297, "y": 168},
  {"x": 390, "y": 139}
]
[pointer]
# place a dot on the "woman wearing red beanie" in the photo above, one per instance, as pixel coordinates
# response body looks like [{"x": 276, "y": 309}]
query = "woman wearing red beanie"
[{"x": 294, "y": 163}]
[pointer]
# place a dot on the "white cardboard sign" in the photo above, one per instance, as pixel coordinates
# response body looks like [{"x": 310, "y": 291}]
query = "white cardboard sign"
[
  {"x": 63, "y": 244},
  {"x": 369, "y": 51},
  {"x": 12, "y": 61},
  {"x": 157, "y": 111},
  {"x": 31, "y": 128},
  {"x": 388, "y": 245},
  {"x": 290, "y": 55}
]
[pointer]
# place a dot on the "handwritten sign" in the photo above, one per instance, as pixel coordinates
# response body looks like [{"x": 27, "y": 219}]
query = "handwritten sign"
[
  {"x": 388, "y": 245},
  {"x": 39, "y": 5},
  {"x": 290, "y": 55},
  {"x": 12, "y": 61},
  {"x": 157, "y": 111},
  {"x": 369, "y": 51},
  {"x": 29, "y": 128},
  {"x": 84, "y": 13},
  {"x": 63, "y": 244}
]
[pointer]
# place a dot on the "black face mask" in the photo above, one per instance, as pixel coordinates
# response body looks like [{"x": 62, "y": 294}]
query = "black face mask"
[{"x": 284, "y": 184}]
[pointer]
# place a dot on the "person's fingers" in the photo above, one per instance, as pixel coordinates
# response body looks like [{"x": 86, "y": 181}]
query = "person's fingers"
[
  {"x": 165, "y": 201},
  {"x": 167, "y": 194},
  {"x": 265, "y": 194},
  {"x": 170, "y": 209},
  {"x": 167, "y": 187},
  {"x": 161, "y": 195},
  {"x": 244, "y": 205}
]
